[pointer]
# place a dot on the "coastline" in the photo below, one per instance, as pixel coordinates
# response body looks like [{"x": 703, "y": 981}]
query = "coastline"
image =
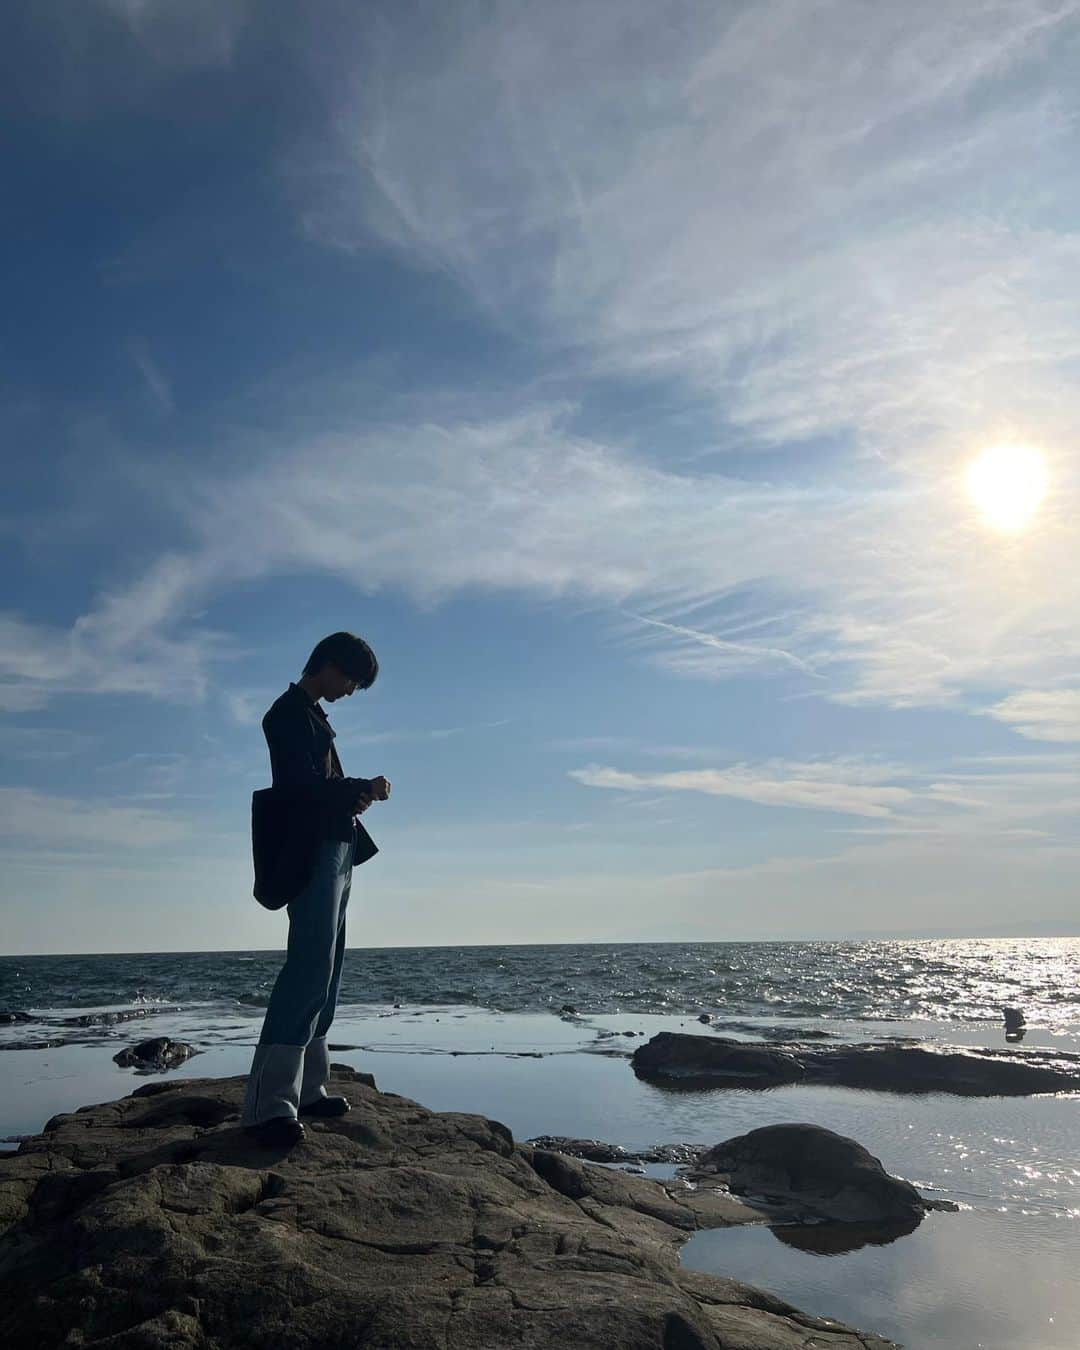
[{"x": 1002, "y": 1263}]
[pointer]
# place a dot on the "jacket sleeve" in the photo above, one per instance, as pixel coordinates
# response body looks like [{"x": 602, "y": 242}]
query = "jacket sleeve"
[{"x": 297, "y": 769}]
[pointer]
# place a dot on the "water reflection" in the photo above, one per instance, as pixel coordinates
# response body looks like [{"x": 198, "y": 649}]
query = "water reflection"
[
  {"x": 1000, "y": 1281},
  {"x": 837, "y": 1239}
]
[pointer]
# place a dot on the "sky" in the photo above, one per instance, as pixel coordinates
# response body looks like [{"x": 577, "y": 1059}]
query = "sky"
[{"x": 616, "y": 370}]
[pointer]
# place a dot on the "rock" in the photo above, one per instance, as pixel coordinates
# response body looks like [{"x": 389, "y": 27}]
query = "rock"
[
  {"x": 156, "y": 1055},
  {"x": 595, "y": 1150},
  {"x": 692, "y": 1059},
  {"x": 704, "y": 1017},
  {"x": 828, "y": 1175},
  {"x": 569, "y": 1009},
  {"x": 1014, "y": 1018},
  {"x": 111, "y": 1019},
  {"x": 8, "y": 1017},
  {"x": 155, "y": 1222},
  {"x": 685, "y": 1061},
  {"x": 965, "y": 1073}
]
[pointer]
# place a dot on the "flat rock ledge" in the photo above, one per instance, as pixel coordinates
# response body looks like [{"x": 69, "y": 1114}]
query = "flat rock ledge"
[
  {"x": 679, "y": 1060},
  {"x": 154, "y": 1222}
]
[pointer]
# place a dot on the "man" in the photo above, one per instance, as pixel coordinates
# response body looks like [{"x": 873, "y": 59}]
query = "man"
[{"x": 292, "y": 1065}]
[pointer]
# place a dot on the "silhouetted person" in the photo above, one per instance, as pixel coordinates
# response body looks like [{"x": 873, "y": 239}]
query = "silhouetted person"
[{"x": 317, "y": 809}]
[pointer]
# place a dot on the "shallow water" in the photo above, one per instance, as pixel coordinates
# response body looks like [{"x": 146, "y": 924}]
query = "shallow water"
[{"x": 977, "y": 1280}]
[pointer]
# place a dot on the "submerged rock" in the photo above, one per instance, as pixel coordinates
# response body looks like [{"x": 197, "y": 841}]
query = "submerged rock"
[
  {"x": 826, "y": 1175},
  {"x": 156, "y": 1055},
  {"x": 690, "y": 1061},
  {"x": 155, "y": 1222}
]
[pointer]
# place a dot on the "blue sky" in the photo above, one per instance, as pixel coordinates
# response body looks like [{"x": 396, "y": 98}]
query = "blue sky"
[{"x": 615, "y": 370}]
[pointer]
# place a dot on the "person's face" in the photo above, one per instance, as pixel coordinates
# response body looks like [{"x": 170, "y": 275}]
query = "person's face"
[{"x": 338, "y": 684}]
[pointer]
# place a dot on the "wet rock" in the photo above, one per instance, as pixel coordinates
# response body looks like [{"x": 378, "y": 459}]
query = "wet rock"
[
  {"x": 9, "y": 1017},
  {"x": 826, "y": 1175},
  {"x": 712, "y": 1059},
  {"x": 592, "y": 1150},
  {"x": 155, "y": 1222},
  {"x": 156, "y": 1055},
  {"x": 114, "y": 1018},
  {"x": 595, "y": 1150},
  {"x": 684, "y": 1061},
  {"x": 964, "y": 1073},
  {"x": 704, "y": 1017}
]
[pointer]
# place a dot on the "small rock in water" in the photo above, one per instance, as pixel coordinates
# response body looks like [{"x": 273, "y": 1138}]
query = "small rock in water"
[
  {"x": 154, "y": 1056},
  {"x": 827, "y": 1175},
  {"x": 704, "y": 1017},
  {"x": 15, "y": 1017},
  {"x": 569, "y": 1009},
  {"x": 1014, "y": 1018}
]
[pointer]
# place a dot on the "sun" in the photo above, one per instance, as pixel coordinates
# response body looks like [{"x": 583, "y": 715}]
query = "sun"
[{"x": 1007, "y": 483}]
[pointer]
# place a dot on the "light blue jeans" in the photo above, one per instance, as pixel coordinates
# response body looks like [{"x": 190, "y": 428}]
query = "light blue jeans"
[{"x": 292, "y": 1064}]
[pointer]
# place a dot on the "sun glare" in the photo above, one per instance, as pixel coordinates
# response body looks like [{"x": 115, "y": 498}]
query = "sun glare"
[{"x": 1007, "y": 483}]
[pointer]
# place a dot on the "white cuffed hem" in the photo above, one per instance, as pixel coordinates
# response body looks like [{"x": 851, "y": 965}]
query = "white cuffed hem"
[
  {"x": 316, "y": 1071},
  {"x": 273, "y": 1086}
]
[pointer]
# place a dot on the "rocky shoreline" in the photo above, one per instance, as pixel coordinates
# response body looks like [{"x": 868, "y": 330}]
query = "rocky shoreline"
[{"x": 153, "y": 1222}]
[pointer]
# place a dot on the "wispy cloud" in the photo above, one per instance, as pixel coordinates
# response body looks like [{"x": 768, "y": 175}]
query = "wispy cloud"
[
  {"x": 190, "y": 35},
  {"x": 785, "y": 229},
  {"x": 153, "y": 376},
  {"x": 44, "y": 743},
  {"x": 768, "y": 786},
  {"x": 789, "y": 227},
  {"x": 243, "y": 708},
  {"x": 742, "y": 654},
  {"x": 988, "y": 799},
  {"x": 846, "y": 585},
  {"x": 1041, "y": 715},
  {"x": 28, "y": 814},
  {"x": 416, "y": 733}
]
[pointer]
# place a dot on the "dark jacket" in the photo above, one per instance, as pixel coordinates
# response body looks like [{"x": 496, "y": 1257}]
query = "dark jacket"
[{"x": 310, "y": 800}]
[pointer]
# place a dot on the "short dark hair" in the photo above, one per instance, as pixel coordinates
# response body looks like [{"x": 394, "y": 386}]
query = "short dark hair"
[{"x": 351, "y": 655}]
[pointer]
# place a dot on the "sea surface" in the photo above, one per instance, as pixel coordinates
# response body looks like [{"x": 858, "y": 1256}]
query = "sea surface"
[
  {"x": 540, "y": 1038},
  {"x": 966, "y": 981}
]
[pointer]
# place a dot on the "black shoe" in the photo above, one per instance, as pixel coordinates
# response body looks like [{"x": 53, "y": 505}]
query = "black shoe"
[
  {"x": 278, "y": 1131},
  {"x": 326, "y": 1106}
]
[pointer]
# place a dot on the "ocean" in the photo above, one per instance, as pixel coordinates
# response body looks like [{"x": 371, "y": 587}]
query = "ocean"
[
  {"x": 539, "y": 1037},
  {"x": 963, "y": 981}
]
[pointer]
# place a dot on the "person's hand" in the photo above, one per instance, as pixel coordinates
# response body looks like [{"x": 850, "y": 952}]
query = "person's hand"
[
  {"x": 362, "y": 804},
  {"x": 381, "y": 788}
]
